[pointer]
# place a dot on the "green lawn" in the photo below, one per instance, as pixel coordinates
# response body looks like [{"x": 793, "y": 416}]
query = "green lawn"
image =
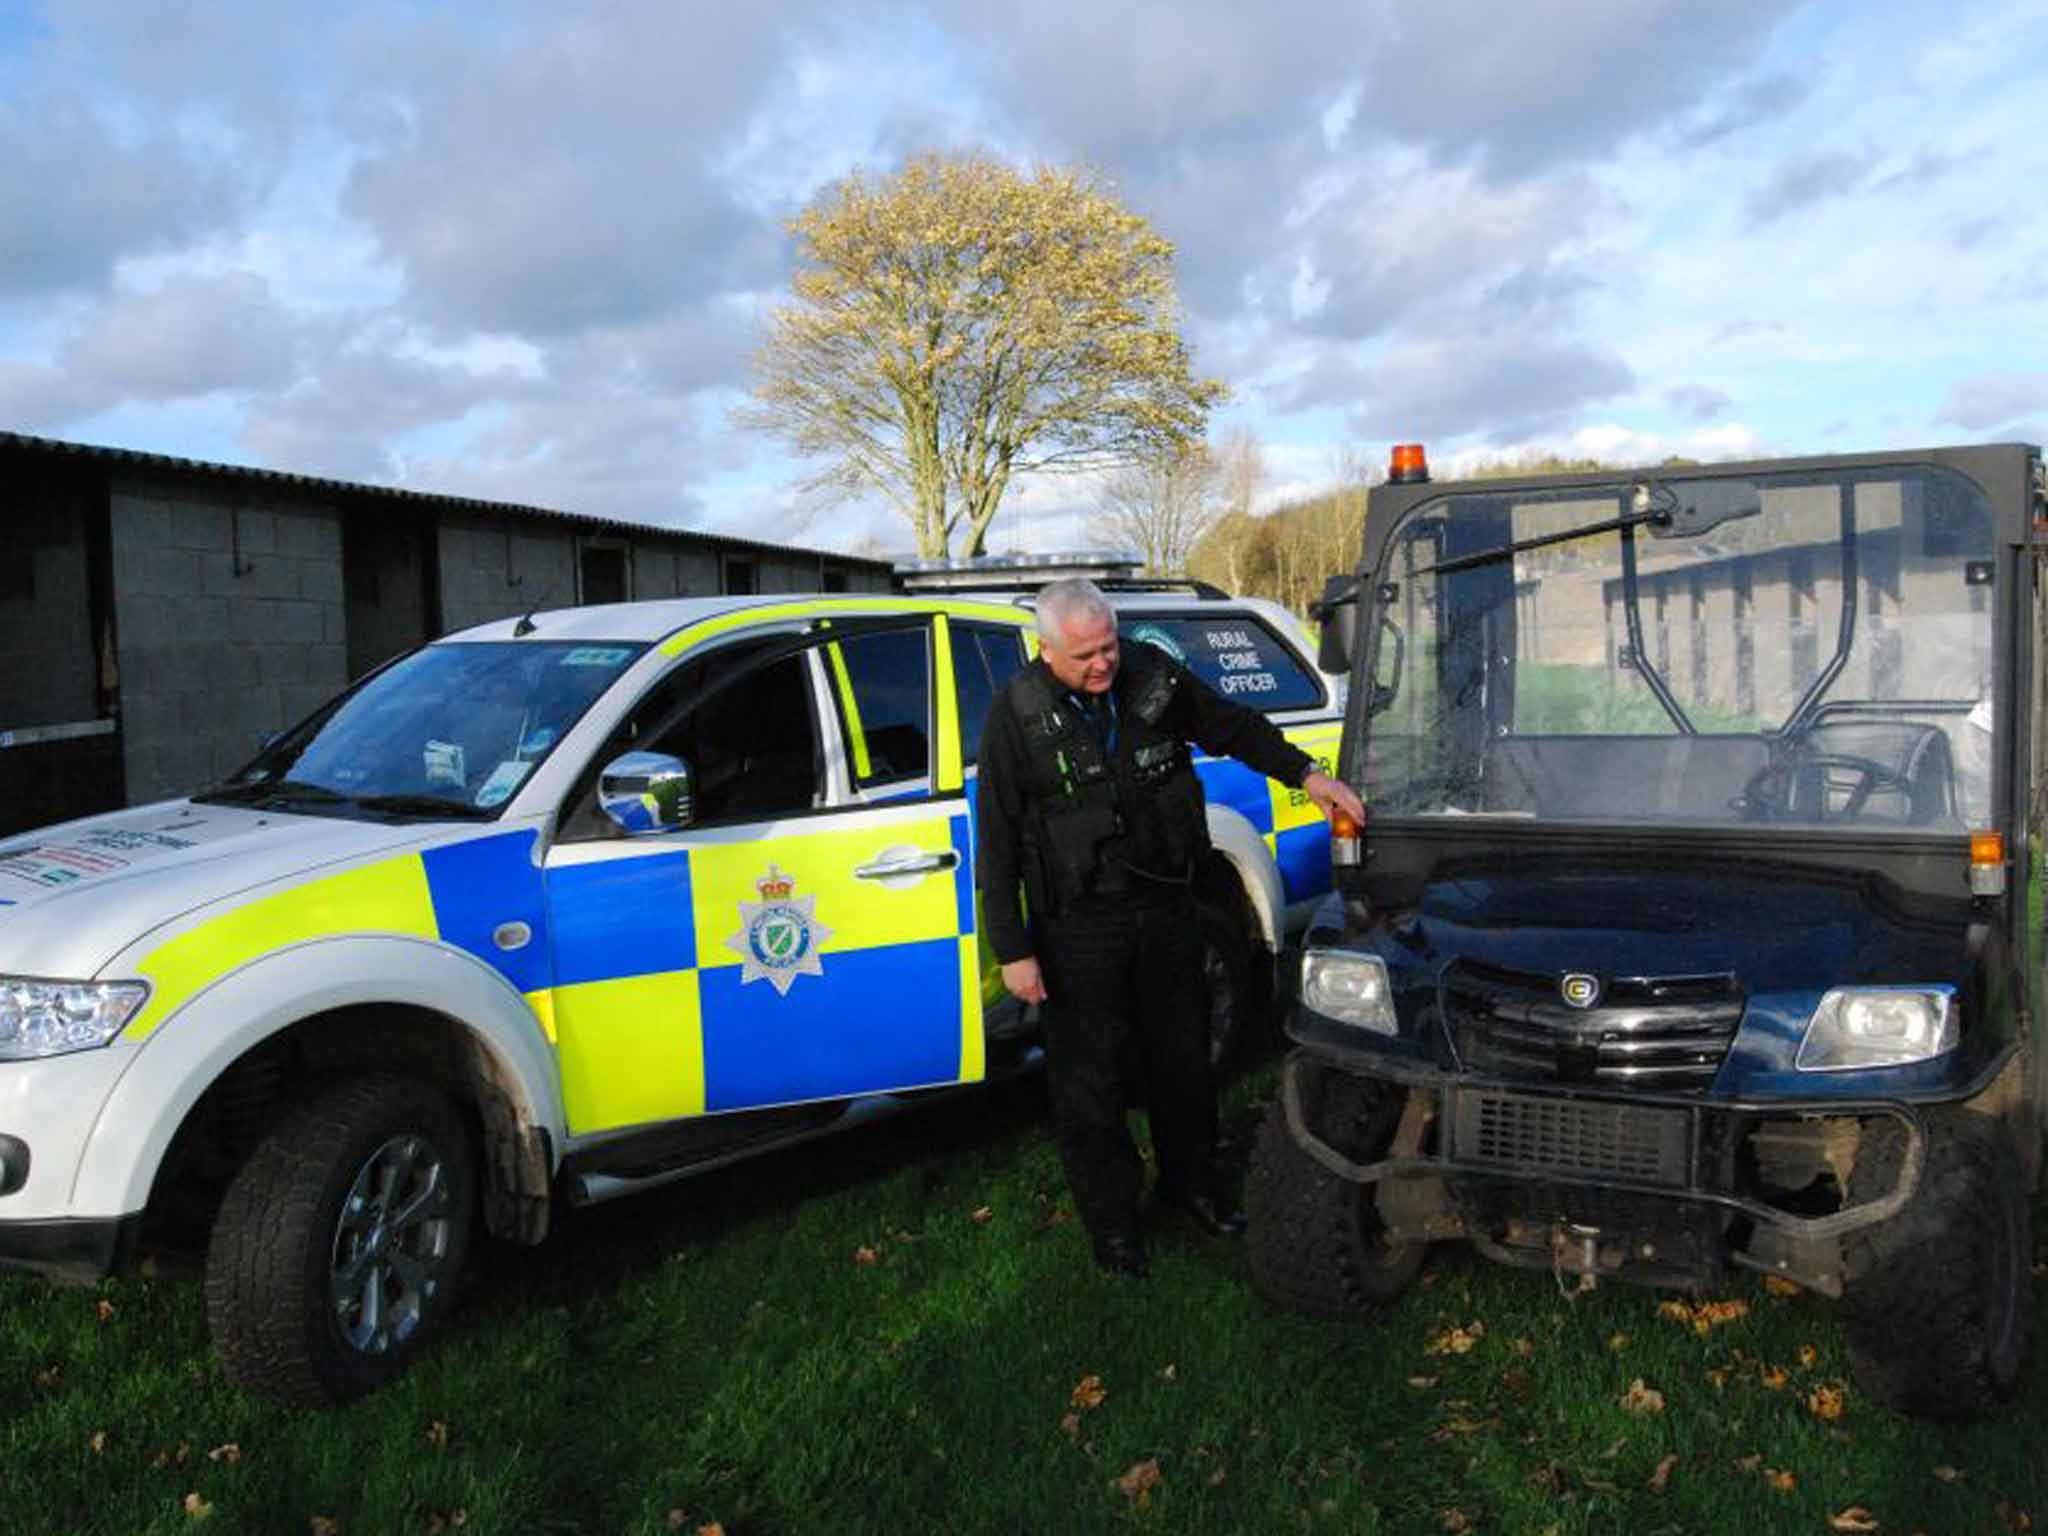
[{"x": 887, "y": 1333}]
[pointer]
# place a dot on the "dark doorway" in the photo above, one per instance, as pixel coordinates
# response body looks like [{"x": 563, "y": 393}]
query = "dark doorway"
[{"x": 604, "y": 574}]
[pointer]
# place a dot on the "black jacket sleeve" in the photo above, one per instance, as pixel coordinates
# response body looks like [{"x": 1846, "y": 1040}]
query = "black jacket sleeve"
[
  {"x": 999, "y": 813},
  {"x": 1223, "y": 728}
]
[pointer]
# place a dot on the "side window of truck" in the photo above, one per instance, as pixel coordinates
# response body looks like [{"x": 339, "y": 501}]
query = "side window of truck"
[
  {"x": 985, "y": 656},
  {"x": 883, "y": 682}
]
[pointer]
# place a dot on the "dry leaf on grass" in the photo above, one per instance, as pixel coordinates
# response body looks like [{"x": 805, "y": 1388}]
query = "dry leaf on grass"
[
  {"x": 1717, "y": 1377},
  {"x": 323, "y": 1525},
  {"x": 229, "y": 1453},
  {"x": 1089, "y": 1392},
  {"x": 982, "y": 1215},
  {"x": 1422, "y": 1382},
  {"x": 866, "y": 1255},
  {"x": 105, "y": 1309},
  {"x": 1779, "y": 1479},
  {"x": 437, "y": 1435},
  {"x": 1524, "y": 1347},
  {"x": 1828, "y": 1401},
  {"x": 196, "y": 1508},
  {"x": 1809, "y": 1357},
  {"x": 1641, "y": 1398},
  {"x": 1661, "y": 1478},
  {"x": 1455, "y": 1521},
  {"x": 1947, "y": 1474},
  {"x": 1855, "y": 1520},
  {"x": 1168, "y": 1372},
  {"x": 1455, "y": 1341},
  {"x": 2015, "y": 1518},
  {"x": 1617, "y": 1343},
  {"x": 1774, "y": 1377},
  {"x": 1070, "y": 1424},
  {"x": 1138, "y": 1481},
  {"x": 1750, "y": 1462},
  {"x": 1782, "y": 1288},
  {"x": 98, "y": 1442},
  {"x": 711, "y": 1528},
  {"x": 1704, "y": 1317}
]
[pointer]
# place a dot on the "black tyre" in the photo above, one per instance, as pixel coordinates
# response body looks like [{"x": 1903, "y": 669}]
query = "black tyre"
[
  {"x": 1935, "y": 1300},
  {"x": 1236, "y": 982},
  {"x": 1316, "y": 1242},
  {"x": 335, "y": 1255}
]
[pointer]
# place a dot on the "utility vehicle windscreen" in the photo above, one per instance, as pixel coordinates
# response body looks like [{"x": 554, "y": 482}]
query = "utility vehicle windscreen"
[{"x": 1811, "y": 650}]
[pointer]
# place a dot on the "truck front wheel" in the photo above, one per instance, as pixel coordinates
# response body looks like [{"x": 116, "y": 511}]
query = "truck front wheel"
[
  {"x": 1316, "y": 1242},
  {"x": 334, "y": 1258},
  {"x": 1934, "y": 1300}
]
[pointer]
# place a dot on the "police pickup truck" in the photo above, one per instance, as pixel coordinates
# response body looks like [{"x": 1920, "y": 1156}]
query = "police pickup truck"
[{"x": 552, "y": 910}]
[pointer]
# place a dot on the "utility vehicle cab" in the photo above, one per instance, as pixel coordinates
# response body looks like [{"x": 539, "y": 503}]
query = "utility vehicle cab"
[{"x": 1698, "y": 921}]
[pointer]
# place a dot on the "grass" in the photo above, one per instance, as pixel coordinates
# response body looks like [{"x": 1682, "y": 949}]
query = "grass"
[{"x": 886, "y": 1333}]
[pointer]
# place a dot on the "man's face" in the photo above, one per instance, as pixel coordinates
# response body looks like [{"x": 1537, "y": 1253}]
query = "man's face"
[{"x": 1084, "y": 658}]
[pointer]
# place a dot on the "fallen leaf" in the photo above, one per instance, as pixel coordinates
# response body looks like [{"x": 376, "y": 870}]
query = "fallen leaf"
[
  {"x": 98, "y": 1442},
  {"x": 1455, "y": 1520},
  {"x": 1948, "y": 1474},
  {"x": 1749, "y": 1463},
  {"x": 1784, "y": 1482},
  {"x": 2015, "y": 1518},
  {"x": 1455, "y": 1341},
  {"x": 711, "y": 1528},
  {"x": 1827, "y": 1401},
  {"x": 1717, "y": 1378},
  {"x": 1661, "y": 1478},
  {"x": 324, "y": 1525},
  {"x": 865, "y": 1255},
  {"x": 437, "y": 1435},
  {"x": 1676, "y": 1311},
  {"x": 229, "y": 1453},
  {"x": 105, "y": 1309},
  {"x": 1782, "y": 1288},
  {"x": 1167, "y": 1372},
  {"x": 1216, "y": 1478},
  {"x": 49, "y": 1375},
  {"x": 1617, "y": 1343},
  {"x": 982, "y": 1215},
  {"x": 1138, "y": 1481},
  {"x": 1460, "y": 1424},
  {"x": 674, "y": 1519},
  {"x": 1774, "y": 1377},
  {"x": 1525, "y": 1347},
  {"x": 1089, "y": 1392},
  {"x": 1809, "y": 1357},
  {"x": 196, "y": 1508},
  {"x": 1855, "y": 1519},
  {"x": 1614, "y": 1450},
  {"x": 1070, "y": 1424},
  {"x": 1423, "y": 1382},
  {"x": 1641, "y": 1399}
]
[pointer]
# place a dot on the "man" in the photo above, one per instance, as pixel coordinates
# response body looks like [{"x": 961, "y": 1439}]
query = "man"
[{"x": 1089, "y": 802}]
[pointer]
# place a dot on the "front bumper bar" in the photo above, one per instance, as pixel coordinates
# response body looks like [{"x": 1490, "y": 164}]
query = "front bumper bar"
[{"x": 75, "y": 1249}]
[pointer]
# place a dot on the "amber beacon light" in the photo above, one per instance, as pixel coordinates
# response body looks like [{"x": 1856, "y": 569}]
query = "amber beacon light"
[
  {"x": 1410, "y": 465},
  {"x": 1987, "y": 863},
  {"x": 1346, "y": 838}
]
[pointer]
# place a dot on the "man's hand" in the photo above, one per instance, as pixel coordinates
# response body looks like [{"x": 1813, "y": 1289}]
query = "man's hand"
[
  {"x": 1023, "y": 980},
  {"x": 1330, "y": 795}
]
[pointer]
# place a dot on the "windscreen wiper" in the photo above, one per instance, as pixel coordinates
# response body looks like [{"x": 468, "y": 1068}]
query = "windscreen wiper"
[
  {"x": 421, "y": 805},
  {"x": 271, "y": 792},
  {"x": 1657, "y": 516}
]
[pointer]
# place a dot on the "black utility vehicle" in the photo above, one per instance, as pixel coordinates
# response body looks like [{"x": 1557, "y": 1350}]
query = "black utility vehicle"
[{"x": 1698, "y": 923}]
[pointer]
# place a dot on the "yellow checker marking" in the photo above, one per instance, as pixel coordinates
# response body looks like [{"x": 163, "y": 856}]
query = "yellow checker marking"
[
  {"x": 825, "y": 608},
  {"x": 1292, "y": 808},
  {"x": 543, "y": 1005},
  {"x": 631, "y": 1049},
  {"x": 387, "y": 897},
  {"x": 861, "y": 914},
  {"x": 973, "y": 1049},
  {"x": 951, "y": 776}
]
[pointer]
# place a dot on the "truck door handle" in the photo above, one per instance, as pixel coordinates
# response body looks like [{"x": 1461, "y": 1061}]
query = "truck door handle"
[{"x": 893, "y": 864}]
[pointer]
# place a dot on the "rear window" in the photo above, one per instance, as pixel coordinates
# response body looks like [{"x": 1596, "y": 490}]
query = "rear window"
[{"x": 1234, "y": 653}]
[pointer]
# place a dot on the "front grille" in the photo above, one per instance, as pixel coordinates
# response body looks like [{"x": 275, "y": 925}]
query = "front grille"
[
  {"x": 1665, "y": 1032},
  {"x": 1617, "y": 1141}
]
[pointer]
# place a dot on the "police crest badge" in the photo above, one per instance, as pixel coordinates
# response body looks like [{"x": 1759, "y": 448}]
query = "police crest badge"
[{"x": 779, "y": 935}]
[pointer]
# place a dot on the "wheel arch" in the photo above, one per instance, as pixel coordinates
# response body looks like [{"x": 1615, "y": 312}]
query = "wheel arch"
[
  {"x": 1239, "y": 844},
  {"x": 335, "y": 1006}
]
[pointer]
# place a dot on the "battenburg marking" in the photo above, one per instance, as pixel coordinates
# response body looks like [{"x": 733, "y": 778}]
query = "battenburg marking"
[{"x": 779, "y": 934}]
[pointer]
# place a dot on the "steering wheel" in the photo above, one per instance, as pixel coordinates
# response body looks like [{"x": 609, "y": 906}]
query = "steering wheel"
[{"x": 1768, "y": 794}]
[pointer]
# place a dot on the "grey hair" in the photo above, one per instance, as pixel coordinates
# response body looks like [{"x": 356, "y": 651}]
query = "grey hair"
[{"x": 1071, "y": 597}]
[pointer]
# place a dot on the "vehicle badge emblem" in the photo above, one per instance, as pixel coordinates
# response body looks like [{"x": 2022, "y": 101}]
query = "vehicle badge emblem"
[
  {"x": 779, "y": 935},
  {"x": 1579, "y": 990}
]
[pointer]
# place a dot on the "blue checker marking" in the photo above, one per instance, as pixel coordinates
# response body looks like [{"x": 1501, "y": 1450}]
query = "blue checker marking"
[
  {"x": 623, "y": 917},
  {"x": 877, "y": 1019},
  {"x": 1303, "y": 854},
  {"x": 476, "y": 886},
  {"x": 963, "y": 873},
  {"x": 1242, "y": 789}
]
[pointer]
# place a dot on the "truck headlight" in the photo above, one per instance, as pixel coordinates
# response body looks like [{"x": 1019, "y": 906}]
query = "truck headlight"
[
  {"x": 1350, "y": 988},
  {"x": 1878, "y": 1027},
  {"x": 52, "y": 1018}
]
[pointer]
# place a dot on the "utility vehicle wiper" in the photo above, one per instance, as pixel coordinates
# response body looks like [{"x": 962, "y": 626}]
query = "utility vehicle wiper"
[
  {"x": 421, "y": 805},
  {"x": 1659, "y": 516},
  {"x": 271, "y": 792}
]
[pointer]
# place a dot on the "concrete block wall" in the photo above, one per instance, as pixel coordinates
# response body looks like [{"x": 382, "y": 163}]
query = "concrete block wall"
[
  {"x": 231, "y": 626},
  {"x": 493, "y": 569}
]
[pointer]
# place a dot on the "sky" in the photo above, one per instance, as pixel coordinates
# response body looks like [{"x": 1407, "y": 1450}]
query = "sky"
[{"x": 521, "y": 250}]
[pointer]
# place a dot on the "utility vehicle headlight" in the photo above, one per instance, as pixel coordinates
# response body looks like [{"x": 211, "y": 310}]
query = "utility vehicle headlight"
[
  {"x": 52, "y": 1018},
  {"x": 1878, "y": 1027},
  {"x": 1350, "y": 988}
]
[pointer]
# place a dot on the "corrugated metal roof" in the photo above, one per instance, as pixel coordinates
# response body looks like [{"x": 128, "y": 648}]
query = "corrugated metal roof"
[{"x": 138, "y": 459}]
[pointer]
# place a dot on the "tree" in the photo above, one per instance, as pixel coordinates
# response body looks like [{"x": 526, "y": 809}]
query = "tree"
[
  {"x": 961, "y": 323},
  {"x": 1159, "y": 508}
]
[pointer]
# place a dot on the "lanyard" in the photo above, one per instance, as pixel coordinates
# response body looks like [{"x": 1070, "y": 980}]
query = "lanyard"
[{"x": 1107, "y": 738}]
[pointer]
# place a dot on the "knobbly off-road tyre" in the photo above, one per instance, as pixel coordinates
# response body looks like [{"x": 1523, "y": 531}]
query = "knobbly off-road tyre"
[
  {"x": 1316, "y": 1242},
  {"x": 1935, "y": 1301},
  {"x": 333, "y": 1261}
]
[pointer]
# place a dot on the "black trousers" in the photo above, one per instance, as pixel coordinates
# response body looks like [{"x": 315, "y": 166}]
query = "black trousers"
[{"x": 1126, "y": 1010}]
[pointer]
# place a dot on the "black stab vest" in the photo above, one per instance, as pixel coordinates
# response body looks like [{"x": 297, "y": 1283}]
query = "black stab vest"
[{"x": 1107, "y": 822}]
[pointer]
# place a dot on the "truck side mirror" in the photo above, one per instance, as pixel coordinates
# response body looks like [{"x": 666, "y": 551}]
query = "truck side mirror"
[
  {"x": 645, "y": 792},
  {"x": 1337, "y": 612}
]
